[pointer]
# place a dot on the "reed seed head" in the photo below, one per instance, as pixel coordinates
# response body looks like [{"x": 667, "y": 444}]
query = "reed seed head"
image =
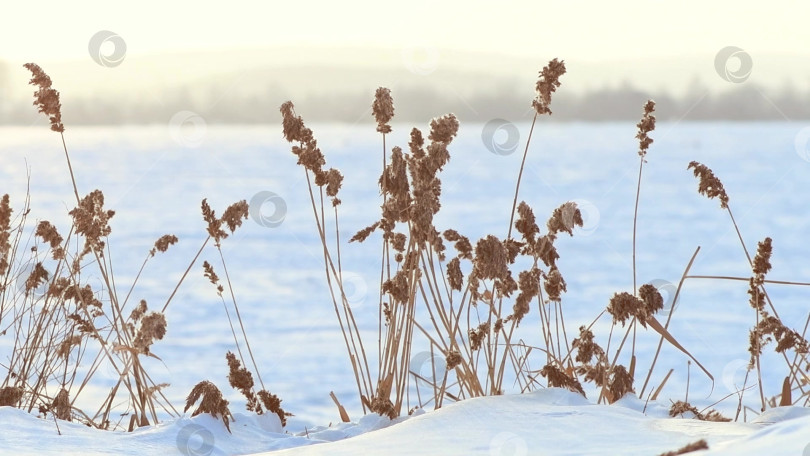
[
  {"x": 239, "y": 377},
  {"x": 529, "y": 286},
  {"x": 397, "y": 287},
  {"x": 490, "y": 259},
  {"x": 709, "y": 185},
  {"x": 49, "y": 234},
  {"x": 208, "y": 272},
  {"x": 444, "y": 129},
  {"x": 679, "y": 408},
  {"x": 564, "y": 219},
  {"x": 46, "y": 97},
  {"x": 398, "y": 241},
  {"x": 770, "y": 329},
  {"x": 334, "y": 180},
  {"x": 762, "y": 260},
  {"x": 5, "y": 233},
  {"x": 363, "y": 234},
  {"x": 586, "y": 347},
  {"x": 689, "y": 448},
  {"x": 235, "y": 214},
  {"x": 153, "y": 327},
  {"x": 623, "y": 306},
  {"x": 652, "y": 299},
  {"x": 10, "y": 396},
  {"x": 416, "y": 144},
  {"x": 478, "y": 335},
  {"x": 526, "y": 223},
  {"x": 212, "y": 402},
  {"x": 214, "y": 227},
  {"x": 547, "y": 84},
  {"x": 453, "y": 359},
  {"x": 60, "y": 407},
  {"x": 273, "y": 404},
  {"x": 37, "y": 277},
  {"x": 293, "y": 126},
  {"x": 383, "y": 109},
  {"x": 554, "y": 285},
  {"x": 557, "y": 378},
  {"x": 461, "y": 243},
  {"x": 621, "y": 383},
  {"x": 138, "y": 311},
  {"x": 92, "y": 221},
  {"x": 163, "y": 243},
  {"x": 454, "y": 275},
  {"x": 646, "y": 125},
  {"x": 545, "y": 250}
]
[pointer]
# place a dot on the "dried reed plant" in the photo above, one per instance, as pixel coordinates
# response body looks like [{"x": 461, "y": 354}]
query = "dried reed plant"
[
  {"x": 463, "y": 295},
  {"x": 58, "y": 321},
  {"x": 768, "y": 326}
]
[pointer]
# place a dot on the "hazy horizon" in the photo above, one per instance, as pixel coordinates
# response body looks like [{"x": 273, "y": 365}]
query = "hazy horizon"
[
  {"x": 149, "y": 62},
  {"x": 247, "y": 86}
]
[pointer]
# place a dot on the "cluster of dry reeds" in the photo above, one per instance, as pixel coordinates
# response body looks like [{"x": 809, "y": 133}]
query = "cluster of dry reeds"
[
  {"x": 466, "y": 303},
  {"x": 463, "y": 300},
  {"x": 58, "y": 321}
]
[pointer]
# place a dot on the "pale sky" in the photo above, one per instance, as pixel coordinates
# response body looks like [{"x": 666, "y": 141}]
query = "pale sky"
[{"x": 46, "y": 30}]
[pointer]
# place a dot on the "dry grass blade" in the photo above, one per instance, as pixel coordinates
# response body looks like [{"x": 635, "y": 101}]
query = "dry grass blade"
[
  {"x": 661, "y": 386},
  {"x": 654, "y": 324},
  {"x": 344, "y": 417},
  {"x": 669, "y": 317},
  {"x": 785, "y": 398}
]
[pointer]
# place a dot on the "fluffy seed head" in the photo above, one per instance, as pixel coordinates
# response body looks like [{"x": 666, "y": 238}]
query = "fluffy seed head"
[
  {"x": 646, "y": 125},
  {"x": 383, "y": 109},
  {"x": 46, "y": 97},
  {"x": 547, "y": 84},
  {"x": 709, "y": 185},
  {"x": 162, "y": 244}
]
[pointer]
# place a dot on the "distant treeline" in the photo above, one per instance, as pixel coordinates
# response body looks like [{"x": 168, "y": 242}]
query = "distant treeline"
[{"x": 744, "y": 103}]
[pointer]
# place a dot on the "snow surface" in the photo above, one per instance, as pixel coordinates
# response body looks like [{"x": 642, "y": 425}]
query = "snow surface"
[
  {"x": 547, "y": 422},
  {"x": 155, "y": 184}
]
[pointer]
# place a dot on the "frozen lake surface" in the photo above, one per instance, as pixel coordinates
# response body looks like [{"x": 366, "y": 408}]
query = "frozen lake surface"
[{"x": 155, "y": 179}]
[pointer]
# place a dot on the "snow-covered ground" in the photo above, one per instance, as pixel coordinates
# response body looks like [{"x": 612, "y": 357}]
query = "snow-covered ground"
[
  {"x": 548, "y": 422},
  {"x": 155, "y": 181}
]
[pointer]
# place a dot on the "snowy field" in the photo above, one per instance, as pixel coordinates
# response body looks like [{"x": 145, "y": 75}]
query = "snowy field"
[{"x": 155, "y": 177}]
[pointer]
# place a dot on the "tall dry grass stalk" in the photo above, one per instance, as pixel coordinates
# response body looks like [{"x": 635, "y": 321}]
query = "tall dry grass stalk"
[{"x": 326, "y": 185}]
